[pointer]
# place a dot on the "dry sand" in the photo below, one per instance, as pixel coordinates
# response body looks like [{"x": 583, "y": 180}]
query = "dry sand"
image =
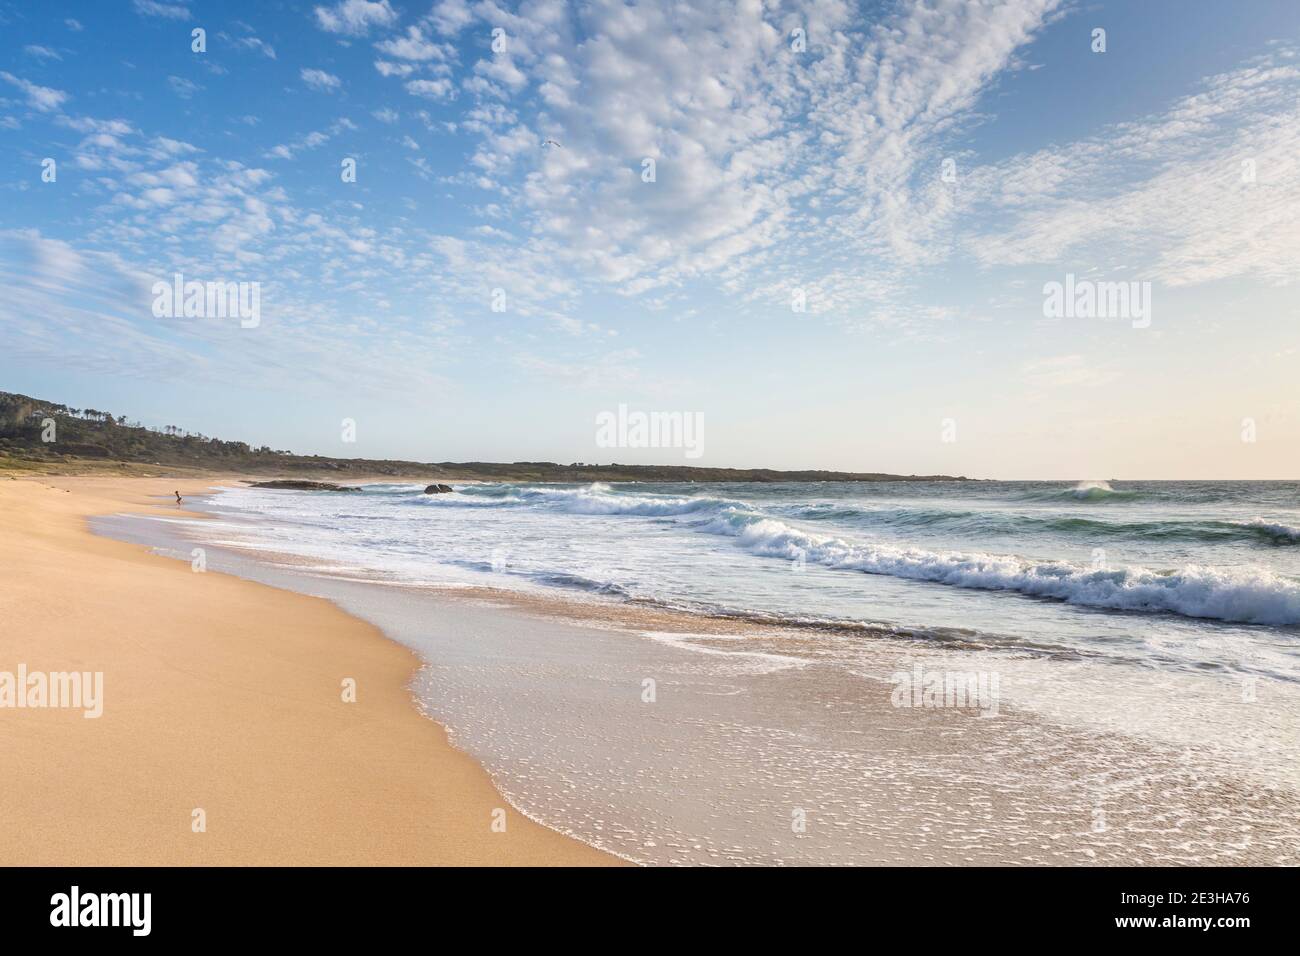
[{"x": 222, "y": 695}]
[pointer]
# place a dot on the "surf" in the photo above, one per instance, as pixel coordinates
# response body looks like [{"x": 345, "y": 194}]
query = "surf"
[{"x": 1250, "y": 596}]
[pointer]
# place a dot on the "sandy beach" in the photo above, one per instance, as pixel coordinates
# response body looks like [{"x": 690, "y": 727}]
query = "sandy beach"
[
  {"x": 223, "y": 696},
  {"x": 224, "y": 692}
]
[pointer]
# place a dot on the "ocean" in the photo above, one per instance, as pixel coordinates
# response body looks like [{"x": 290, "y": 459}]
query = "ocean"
[
  {"x": 1140, "y": 641},
  {"x": 1184, "y": 575}
]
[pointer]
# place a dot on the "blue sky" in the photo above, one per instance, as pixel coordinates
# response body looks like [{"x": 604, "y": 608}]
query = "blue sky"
[{"x": 779, "y": 173}]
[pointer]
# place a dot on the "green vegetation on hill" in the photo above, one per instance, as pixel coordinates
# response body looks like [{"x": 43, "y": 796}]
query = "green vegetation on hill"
[{"x": 85, "y": 438}]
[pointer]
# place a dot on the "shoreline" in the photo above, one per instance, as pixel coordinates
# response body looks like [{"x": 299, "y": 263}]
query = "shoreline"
[
  {"x": 222, "y": 708},
  {"x": 542, "y": 690},
  {"x": 535, "y": 698}
]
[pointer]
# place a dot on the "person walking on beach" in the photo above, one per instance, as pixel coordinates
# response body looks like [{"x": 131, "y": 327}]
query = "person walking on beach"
[{"x": 178, "y": 497}]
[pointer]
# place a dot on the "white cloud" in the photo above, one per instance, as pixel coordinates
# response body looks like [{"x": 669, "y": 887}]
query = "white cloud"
[
  {"x": 807, "y": 165},
  {"x": 421, "y": 166},
  {"x": 821, "y": 171},
  {"x": 320, "y": 80},
  {"x": 256, "y": 44},
  {"x": 310, "y": 140},
  {"x": 164, "y": 147},
  {"x": 775, "y": 172},
  {"x": 449, "y": 17},
  {"x": 1209, "y": 189},
  {"x": 41, "y": 52},
  {"x": 169, "y": 11},
  {"x": 439, "y": 89},
  {"x": 414, "y": 46},
  {"x": 42, "y": 98},
  {"x": 355, "y": 17},
  {"x": 773, "y": 169},
  {"x": 182, "y": 87},
  {"x": 387, "y": 68},
  {"x": 87, "y": 124}
]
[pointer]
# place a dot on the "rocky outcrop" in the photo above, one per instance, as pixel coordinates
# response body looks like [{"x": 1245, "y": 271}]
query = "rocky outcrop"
[
  {"x": 296, "y": 484},
  {"x": 438, "y": 489}
]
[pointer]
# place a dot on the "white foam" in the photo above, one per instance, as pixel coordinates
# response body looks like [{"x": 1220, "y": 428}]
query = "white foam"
[
  {"x": 1253, "y": 595},
  {"x": 1246, "y": 595},
  {"x": 1275, "y": 530},
  {"x": 765, "y": 662}
]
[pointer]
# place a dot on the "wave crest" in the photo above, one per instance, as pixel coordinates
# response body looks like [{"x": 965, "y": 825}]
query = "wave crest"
[
  {"x": 1272, "y": 531},
  {"x": 1248, "y": 596}
]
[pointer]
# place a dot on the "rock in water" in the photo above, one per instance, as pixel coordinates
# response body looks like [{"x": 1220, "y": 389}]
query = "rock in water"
[
  {"x": 438, "y": 489},
  {"x": 295, "y": 484}
]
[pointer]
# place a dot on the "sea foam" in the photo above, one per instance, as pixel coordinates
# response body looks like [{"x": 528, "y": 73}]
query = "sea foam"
[
  {"x": 1245, "y": 595},
  {"x": 1242, "y": 595}
]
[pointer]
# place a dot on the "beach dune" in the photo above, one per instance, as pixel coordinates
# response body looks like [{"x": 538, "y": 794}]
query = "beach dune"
[{"x": 224, "y": 736}]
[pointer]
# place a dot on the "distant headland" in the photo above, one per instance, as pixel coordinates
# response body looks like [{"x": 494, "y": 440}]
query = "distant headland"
[{"x": 45, "y": 436}]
